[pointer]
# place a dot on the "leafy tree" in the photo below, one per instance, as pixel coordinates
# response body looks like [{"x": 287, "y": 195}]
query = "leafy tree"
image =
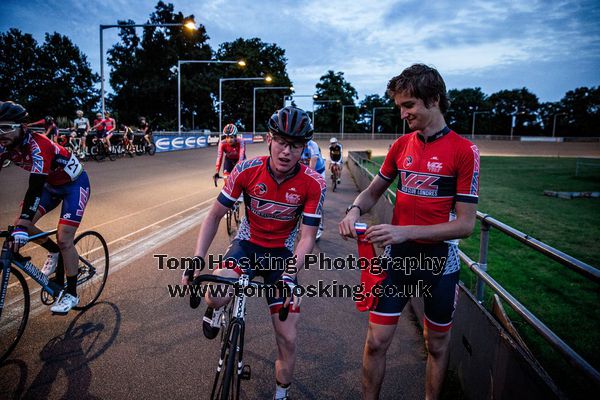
[
  {"x": 582, "y": 109},
  {"x": 144, "y": 80},
  {"x": 386, "y": 120},
  {"x": 520, "y": 103},
  {"x": 262, "y": 59},
  {"x": 463, "y": 103},
  {"x": 333, "y": 86},
  {"x": 52, "y": 79}
]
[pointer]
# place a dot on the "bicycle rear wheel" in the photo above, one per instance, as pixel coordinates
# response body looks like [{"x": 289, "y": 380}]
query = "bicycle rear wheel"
[
  {"x": 151, "y": 149},
  {"x": 93, "y": 267},
  {"x": 226, "y": 383},
  {"x": 14, "y": 314}
]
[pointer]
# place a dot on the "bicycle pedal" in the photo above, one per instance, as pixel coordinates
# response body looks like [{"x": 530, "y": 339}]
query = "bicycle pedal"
[{"x": 246, "y": 373}]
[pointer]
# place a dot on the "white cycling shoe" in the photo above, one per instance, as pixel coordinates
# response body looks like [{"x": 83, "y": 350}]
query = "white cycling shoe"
[
  {"x": 65, "y": 304},
  {"x": 50, "y": 264}
]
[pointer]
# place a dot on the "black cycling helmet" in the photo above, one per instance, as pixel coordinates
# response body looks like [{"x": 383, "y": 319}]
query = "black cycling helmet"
[
  {"x": 13, "y": 112},
  {"x": 48, "y": 119},
  {"x": 230, "y": 130},
  {"x": 291, "y": 122}
]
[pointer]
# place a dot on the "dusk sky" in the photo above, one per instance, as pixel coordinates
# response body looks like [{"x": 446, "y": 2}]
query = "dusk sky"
[{"x": 547, "y": 46}]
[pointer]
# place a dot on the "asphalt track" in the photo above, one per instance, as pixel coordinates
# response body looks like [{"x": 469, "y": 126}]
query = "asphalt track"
[{"x": 138, "y": 342}]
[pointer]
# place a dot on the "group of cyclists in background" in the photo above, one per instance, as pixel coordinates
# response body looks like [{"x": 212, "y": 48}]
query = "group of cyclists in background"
[{"x": 101, "y": 138}]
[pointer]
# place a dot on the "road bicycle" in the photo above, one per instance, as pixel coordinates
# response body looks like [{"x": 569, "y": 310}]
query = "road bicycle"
[
  {"x": 233, "y": 214},
  {"x": 15, "y": 298},
  {"x": 99, "y": 150},
  {"x": 142, "y": 146},
  {"x": 335, "y": 169},
  {"x": 121, "y": 145},
  {"x": 230, "y": 368}
]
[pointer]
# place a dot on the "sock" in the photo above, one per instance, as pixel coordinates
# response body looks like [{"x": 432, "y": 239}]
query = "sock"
[
  {"x": 50, "y": 246},
  {"x": 72, "y": 285},
  {"x": 281, "y": 390}
]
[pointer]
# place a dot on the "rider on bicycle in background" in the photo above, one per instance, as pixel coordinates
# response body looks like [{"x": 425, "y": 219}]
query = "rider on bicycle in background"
[
  {"x": 278, "y": 191},
  {"x": 81, "y": 125},
  {"x": 233, "y": 148},
  {"x": 145, "y": 127},
  {"x": 55, "y": 175},
  {"x": 105, "y": 128},
  {"x": 50, "y": 128},
  {"x": 312, "y": 157},
  {"x": 336, "y": 158}
]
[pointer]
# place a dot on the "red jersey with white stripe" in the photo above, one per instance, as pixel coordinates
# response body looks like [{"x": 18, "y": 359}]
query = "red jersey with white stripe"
[
  {"x": 234, "y": 151},
  {"x": 434, "y": 174},
  {"x": 39, "y": 155},
  {"x": 274, "y": 209}
]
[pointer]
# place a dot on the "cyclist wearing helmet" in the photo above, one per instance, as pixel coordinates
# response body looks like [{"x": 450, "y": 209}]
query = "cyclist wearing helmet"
[
  {"x": 336, "y": 158},
  {"x": 81, "y": 125},
  {"x": 279, "y": 192},
  {"x": 233, "y": 148},
  {"x": 54, "y": 176},
  {"x": 50, "y": 128},
  {"x": 145, "y": 127}
]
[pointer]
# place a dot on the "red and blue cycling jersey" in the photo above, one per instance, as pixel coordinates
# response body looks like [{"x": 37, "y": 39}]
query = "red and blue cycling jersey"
[
  {"x": 434, "y": 175},
  {"x": 274, "y": 209},
  {"x": 233, "y": 151}
]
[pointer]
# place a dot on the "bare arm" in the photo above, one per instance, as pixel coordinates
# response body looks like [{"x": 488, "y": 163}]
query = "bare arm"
[
  {"x": 461, "y": 227},
  {"x": 365, "y": 200},
  {"x": 209, "y": 227}
]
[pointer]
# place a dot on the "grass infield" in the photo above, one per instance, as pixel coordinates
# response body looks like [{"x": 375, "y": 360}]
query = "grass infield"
[{"x": 511, "y": 190}]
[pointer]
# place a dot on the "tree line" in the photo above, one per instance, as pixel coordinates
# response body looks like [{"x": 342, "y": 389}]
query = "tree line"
[{"x": 55, "y": 78}]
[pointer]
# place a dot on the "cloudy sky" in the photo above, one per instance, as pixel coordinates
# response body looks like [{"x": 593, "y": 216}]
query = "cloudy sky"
[{"x": 548, "y": 46}]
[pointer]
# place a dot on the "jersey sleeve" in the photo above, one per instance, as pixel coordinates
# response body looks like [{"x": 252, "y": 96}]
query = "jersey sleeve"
[
  {"x": 389, "y": 169},
  {"x": 233, "y": 187},
  {"x": 313, "y": 206},
  {"x": 42, "y": 154},
  {"x": 242, "y": 149},
  {"x": 467, "y": 180},
  {"x": 219, "y": 156}
]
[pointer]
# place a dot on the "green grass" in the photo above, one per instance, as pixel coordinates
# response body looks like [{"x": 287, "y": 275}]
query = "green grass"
[{"x": 511, "y": 190}]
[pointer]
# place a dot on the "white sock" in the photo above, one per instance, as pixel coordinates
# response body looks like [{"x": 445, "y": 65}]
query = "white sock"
[{"x": 281, "y": 392}]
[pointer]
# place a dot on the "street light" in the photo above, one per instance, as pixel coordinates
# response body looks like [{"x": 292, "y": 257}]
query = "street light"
[
  {"x": 265, "y": 78},
  {"x": 473, "y": 125},
  {"x": 315, "y": 97},
  {"x": 254, "y": 101},
  {"x": 343, "y": 110},
  {"x": 189, "y": 24},
  {"x": 554, "y": 123},
  {"x": 373, "y": 119},
  {"x": 241, "y": 63}
]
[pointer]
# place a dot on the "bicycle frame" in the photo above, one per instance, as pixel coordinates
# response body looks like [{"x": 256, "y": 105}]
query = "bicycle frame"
[{"x": 8, "y": 257}]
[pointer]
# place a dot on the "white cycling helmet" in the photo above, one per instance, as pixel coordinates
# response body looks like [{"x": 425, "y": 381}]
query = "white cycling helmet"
[{"x": 332, "y": 140}]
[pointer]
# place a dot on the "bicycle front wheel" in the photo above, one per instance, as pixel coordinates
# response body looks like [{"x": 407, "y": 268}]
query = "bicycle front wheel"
[
  {"x": 14, "y": 314},
  {"x": 93, "y": 267},
  {"x": 226, "y": 384},
  {"x": 151, "y": 149},
  {"x": 229, "y": 218}
]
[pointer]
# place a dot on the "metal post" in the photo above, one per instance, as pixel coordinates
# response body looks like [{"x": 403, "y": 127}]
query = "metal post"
[
  {"x": 473, "y": 127},
  {"x": 483, "y": 253},
  {"x": 254, "y": 113},
  {"x": 220, "y": 110},
  {"x": 179, "y": 97},
  {"x": 373, "y": 124},
  {"x": 314, "y": 119},
  {"x": 102, "y": 67}
]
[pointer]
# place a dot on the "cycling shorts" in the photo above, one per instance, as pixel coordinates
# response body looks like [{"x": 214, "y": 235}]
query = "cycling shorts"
[
  {"x": 425, "y": 270},
  {"x": 268, "y": 269},
  {"x": 80, "y": 133},
  {"x": 74, "y": 197},
  {"x": 228, "y": 165}
]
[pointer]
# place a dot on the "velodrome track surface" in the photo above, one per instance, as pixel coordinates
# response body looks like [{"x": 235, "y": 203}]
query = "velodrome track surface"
[{"x": 139, "y": 342}]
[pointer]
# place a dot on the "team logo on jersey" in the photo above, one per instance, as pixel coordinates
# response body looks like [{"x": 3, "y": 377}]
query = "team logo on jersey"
[
  {"x": 273, "y": 210},
  {"x": 67, "y": 216},
  {"x": 434, "y": 166},
  {"x": 260, "y": 189},
  {"x": 293, "y": 198},
  {"x": 419, "y": 184},
  {"x": 38, "y": 159},
  {"x": 408, "y": 161}
]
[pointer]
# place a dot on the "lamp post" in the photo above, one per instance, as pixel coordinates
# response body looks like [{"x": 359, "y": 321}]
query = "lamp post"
[
  {"x": 373, "y": 119},
  {"x": 554, "y": 122},
  {"x": 473, "y": 125},
  {"x": 266, "y": 78},
  {"x": 320, "y": 101},
  {"x": 254, "y": 101},
  {"x": 179, "y": 62},
  {"x": 188, "y": 24},
  {"x": 193, "y": 116},
  {"x": 342, "y": 124}
]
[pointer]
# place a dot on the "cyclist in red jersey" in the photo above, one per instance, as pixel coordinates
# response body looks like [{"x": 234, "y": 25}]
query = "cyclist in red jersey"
[
  {"x": 436, "y": 204},
  {"x": 50, "y": 128},
  {"x": 279, "y": 192},
  {"x": 55, "y": 176},
  {"x": 104, "y": 128},
  {"x": 232, "y": 148}
]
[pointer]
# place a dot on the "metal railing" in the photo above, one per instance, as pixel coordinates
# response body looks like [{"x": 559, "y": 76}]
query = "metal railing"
[{"x": 483, "y": 278}]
